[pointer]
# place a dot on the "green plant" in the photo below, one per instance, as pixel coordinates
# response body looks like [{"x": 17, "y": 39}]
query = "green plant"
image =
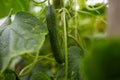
[
  {"x": 102, "y": 61},
  {"x": 33, "y": 42}
]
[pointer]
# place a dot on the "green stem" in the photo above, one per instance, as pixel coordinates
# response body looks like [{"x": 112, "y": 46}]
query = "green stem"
[
  {"x": 88, "y": 13},
  {"x": 96, "y": 10},
  {"x": 85, "y": 12},
  {"x": 26, "y": 70},
  {"x": 65, "y": 46},
  {"x": 39, "y": 2},
  {"x": 47, "y": 57},
  {"x": 76, "y": 30},
  {"x": 36, "y": 58},
  {"x": 48, "y": 2},
  {"x": 65, "y": 42},
  {"x": 93, "y": 9}
]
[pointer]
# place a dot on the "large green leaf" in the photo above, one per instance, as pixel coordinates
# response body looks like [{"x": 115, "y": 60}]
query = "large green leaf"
[
  {"x": 16, "y": 5},
  {"x": 2, "y": 27},
  {"x": 74, "y": 60},
  {"x": 74, "y": 57},
  {"x": 26, "y": 34},
  {"x": 39, "y": 76}
]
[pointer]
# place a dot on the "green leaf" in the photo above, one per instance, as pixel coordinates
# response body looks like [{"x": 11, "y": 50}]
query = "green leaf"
[
  {"x": 26, "y": 34},
  {"x": 16, "y": 5},
  {"x": 74, "y": 57},
  {"x": 2, "y": 27},
  {"x": 39, "y": 76},
  {"x": 1, "y": 77},
  {"x": 74, "y": 61},
  {"x": 102, "y": 62},
  {"x": 10, "y": 75}
]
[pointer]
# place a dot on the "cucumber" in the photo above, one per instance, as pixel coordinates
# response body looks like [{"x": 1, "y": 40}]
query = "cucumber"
[{"x": 53, "y": 33}]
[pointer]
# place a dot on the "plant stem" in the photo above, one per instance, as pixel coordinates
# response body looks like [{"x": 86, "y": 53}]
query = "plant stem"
[
  {"x": 26, "y": 70},
  {"x": 48, "y": 2},
  {"x": 65, "y": 42},
  {"x": 93, "y": 9},
  {"x": 76, "y": 30},
  {"x": 39, "y": 2},
  {"x": 65, "y": 45},
  {"x": 88, "y": 13}
]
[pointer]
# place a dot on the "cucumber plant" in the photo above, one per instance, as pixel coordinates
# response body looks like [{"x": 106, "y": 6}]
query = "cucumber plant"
[{"x": 49, "y": 39}]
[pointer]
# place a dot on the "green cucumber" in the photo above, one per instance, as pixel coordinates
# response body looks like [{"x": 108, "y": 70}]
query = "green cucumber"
[{"x": 53, "y": 33}]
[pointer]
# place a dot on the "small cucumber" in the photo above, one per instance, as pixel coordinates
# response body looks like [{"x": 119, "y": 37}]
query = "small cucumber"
[{"x": 53, "y": 33}]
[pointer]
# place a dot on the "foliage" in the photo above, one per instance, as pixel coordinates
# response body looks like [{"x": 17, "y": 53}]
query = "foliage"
[
  {"x": 74, "y": 57},
  {"x": 39, "y": 76},
  {"x": 27, "y": 50},
  {"x": 102, "y": 61},
  {"x": 16, "y": 5}
]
